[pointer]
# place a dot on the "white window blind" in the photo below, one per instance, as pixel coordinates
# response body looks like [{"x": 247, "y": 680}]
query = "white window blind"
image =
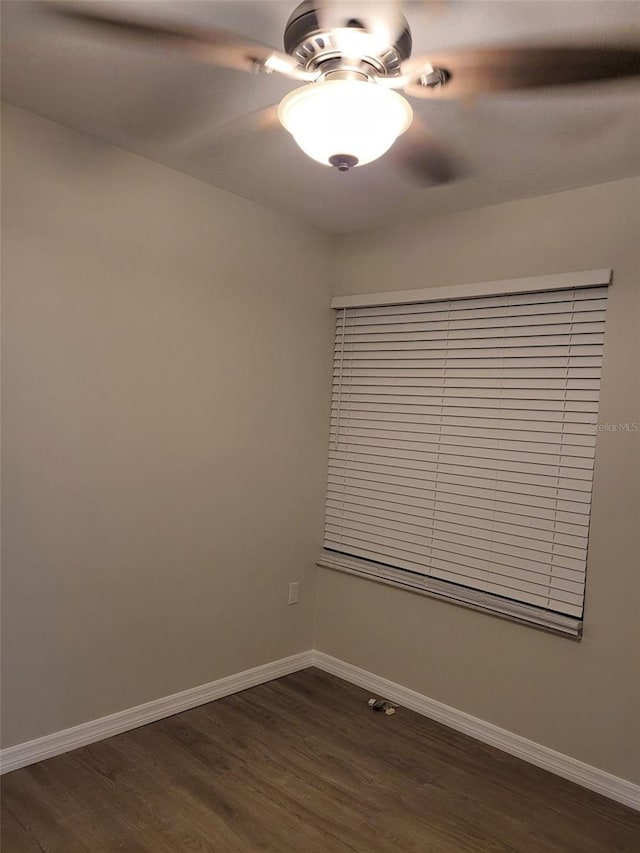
[{"x": 462, "y": 448}]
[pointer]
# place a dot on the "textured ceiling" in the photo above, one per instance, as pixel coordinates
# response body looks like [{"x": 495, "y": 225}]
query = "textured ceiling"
[{"x": 189, "y": 117}]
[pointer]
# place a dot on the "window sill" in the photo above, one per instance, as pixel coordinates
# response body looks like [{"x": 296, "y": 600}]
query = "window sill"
[{"x": 525, "y": 614}]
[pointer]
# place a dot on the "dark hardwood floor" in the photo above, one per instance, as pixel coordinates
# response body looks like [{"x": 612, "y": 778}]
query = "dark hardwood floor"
[{"x": 302, "y": 765}]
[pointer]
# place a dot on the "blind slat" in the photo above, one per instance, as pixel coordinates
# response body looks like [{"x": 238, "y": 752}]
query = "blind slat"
[
  {"x": 465, "y": 503},
  {"x": 457, "y": 514},
  {"x": 497, "y": 319},
  {"x": 539, "y": 557},
  {"x": 467, "y": 496},
  {"x": 482, "y": 401},
  {"x": 479, "y": 476},
  {"x": 531, "y": 538},
  {"x": 559, "y": 334},
  {"x": 485, "y": 448},
  {"x": 490, "y": 461},
  {"x": 504, "y": 436}
]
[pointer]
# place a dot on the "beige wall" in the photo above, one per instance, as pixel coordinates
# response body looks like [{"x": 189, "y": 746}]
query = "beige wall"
[
  {"x": 579, "y": 698},
  {"x": 166, "y": 373},
  {"x": 167, "y": 356}
]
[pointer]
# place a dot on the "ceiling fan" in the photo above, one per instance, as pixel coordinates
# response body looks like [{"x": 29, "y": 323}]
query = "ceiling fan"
[{"x": 348, "y": 110}]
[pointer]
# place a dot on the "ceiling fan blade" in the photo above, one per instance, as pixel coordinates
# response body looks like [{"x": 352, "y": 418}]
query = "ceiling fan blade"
[
  {"x": 210, "y": 45},
  {"x": 424, "y": 160},
  {"x": 258, "y": 121},
  {"x": 476, "y": 71}
]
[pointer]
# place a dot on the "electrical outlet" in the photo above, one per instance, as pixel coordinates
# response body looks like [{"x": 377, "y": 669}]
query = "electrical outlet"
[{"x": 294, "y": 592}]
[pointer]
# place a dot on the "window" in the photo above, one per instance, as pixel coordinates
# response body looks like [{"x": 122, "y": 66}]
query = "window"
[{"x": 462, "y": 442}]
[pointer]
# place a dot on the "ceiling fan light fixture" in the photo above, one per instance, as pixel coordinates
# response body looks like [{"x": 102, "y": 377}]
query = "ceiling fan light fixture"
[{"x": 344, "y": 123}]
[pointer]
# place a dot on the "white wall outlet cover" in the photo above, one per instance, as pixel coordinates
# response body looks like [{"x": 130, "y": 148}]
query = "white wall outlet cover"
[{"x": 294, "y": 592}]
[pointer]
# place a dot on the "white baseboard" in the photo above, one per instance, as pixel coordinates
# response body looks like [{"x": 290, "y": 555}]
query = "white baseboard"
[
  {"x": 576, "y": 771},
  {"x": 31, "y": 751}
]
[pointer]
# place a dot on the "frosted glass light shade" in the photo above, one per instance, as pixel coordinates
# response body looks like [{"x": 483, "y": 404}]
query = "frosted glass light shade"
[{"x": 344, "y": 117}]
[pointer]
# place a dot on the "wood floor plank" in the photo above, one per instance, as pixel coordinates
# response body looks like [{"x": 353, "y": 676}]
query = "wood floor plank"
[{"x": 302, "y": 765}]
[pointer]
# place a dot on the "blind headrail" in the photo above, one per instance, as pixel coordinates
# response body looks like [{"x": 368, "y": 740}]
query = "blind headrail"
[{"x": 530, "y": 284}]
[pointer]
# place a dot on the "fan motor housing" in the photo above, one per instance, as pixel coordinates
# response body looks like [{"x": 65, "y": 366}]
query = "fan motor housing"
[{"x": 316, "y": 45}]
